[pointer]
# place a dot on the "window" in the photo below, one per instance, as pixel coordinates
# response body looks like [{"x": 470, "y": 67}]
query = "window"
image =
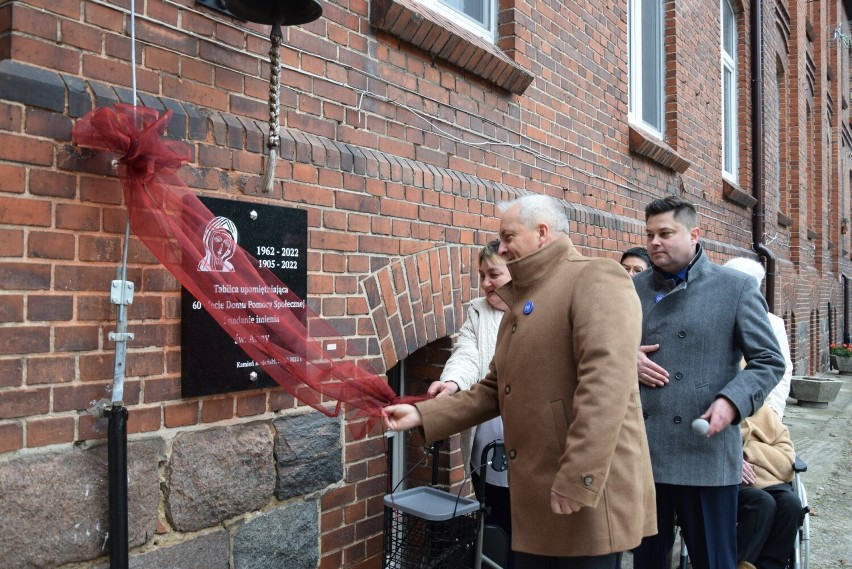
[
  {"x": 730, "y": 154},
  {"x": 477, "y": 16},
  {"x": 645, "y": 59}
]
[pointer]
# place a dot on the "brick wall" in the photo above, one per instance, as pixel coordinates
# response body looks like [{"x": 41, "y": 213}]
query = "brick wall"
[{"x": 399, "y": 158}]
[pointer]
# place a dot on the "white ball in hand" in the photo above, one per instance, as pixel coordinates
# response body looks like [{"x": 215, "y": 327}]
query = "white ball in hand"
[{"x": 700, "y": 426}]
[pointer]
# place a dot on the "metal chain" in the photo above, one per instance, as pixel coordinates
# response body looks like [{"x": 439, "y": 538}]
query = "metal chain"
[{"x": 273, "y": 142}]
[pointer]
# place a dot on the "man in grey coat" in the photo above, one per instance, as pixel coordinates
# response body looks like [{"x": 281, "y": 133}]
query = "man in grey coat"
[{"x": 700, "y": 321}]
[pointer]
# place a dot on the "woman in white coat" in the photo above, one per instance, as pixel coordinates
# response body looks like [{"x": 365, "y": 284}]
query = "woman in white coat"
[{"x": 468, "y": 364}]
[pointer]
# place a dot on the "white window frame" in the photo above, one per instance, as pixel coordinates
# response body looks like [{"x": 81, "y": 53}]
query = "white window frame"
[
  {"x": 730, "y": 95},
  {"x": 637, "y": 30},
  {"x": 487, "y": 32}
]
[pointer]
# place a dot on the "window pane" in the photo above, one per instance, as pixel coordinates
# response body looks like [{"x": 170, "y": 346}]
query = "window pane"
[
  {"x": 478, "y": 10},
  {"x": 728, "y": 123},
  {"x": 632, "y": 64},
  {"x": 728, "y": 28},
  {"x": 652, "y": 79}
]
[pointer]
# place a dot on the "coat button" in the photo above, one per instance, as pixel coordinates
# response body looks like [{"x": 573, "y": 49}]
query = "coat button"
[
  {"x": 514, "y": 327},
  {"x": 644, "y": 414},
  {"x": 677, "y": 420},
  {"x": 513, "y": 454},
  {"x": 678, "y": 375},
  {"x": 681, "y": 334},
  {"x": 587, "y": 481},
  {"x": 507, "y": 390}
]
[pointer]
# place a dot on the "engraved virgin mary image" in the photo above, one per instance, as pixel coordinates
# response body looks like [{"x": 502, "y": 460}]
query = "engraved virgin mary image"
[{"x": 220, "y": 242}]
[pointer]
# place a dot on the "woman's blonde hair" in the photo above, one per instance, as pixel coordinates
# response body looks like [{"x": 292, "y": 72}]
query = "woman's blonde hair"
[{"x": 489, "y": 254}]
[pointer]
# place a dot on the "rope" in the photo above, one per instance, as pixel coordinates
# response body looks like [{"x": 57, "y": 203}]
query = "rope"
[{"x": 274, "y": 140}]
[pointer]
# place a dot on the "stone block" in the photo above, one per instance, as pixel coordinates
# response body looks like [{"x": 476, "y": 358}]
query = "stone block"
[
  {"x": 284, "y": 537},
  {"x": 56, "y": 510},
  {"x": 79, "y": 101},
  {"x": 310, "y": 456},
  {"x": 105, "y": 96},
  {"x": 208, "y": 551},
  {"x": 217, "y": 474},
  {"x": 177, "y": 126},
  {"x": 198, "y": 121},
  {"x": 31, "y": 86}
]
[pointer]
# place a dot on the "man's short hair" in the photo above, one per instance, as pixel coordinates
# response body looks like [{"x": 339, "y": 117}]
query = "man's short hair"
[
  {"x": 684, "y": 211},
  {"x": 536, "y": 208}
]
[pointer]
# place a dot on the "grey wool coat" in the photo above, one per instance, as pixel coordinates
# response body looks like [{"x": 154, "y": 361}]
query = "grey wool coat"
[
  {"x": 563, "y": 378},
  {"x": 705, "y": 326}
]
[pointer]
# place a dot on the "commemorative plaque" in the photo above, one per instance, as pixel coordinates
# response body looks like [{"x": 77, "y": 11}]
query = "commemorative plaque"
[{"x": 211, "y": 361}]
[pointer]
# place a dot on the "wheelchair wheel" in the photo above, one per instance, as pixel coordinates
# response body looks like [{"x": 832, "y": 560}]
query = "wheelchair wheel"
[
  {"x": 802, "y": 550},
  {"x": 805, "y": 543}
]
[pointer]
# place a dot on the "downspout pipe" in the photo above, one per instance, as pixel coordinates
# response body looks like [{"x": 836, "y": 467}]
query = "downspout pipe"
[
  {"x": 758, "y": 213},
  {"x": 845, "y": 280}
]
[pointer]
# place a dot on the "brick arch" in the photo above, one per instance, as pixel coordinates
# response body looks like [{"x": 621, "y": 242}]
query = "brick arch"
[{"x": 419, "y": 298}]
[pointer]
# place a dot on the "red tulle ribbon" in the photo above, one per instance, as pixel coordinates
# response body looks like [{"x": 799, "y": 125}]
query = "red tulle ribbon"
[{"x": 167, "y": 216}]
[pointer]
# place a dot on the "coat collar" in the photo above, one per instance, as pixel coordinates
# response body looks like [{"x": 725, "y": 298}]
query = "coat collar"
[
  {"x": 537, "y": 265},
  {"x": 693, "y": 271}
]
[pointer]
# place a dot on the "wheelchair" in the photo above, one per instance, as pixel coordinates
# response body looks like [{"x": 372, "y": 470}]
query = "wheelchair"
[
  {"x": 802, "y": 546},
  {"x": 800, "y": 557}
]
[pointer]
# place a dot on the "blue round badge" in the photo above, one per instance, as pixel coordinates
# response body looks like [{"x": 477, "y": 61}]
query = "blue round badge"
[
  {"x": 528, "y": 307},
  {"x": 659, "y": 297}
]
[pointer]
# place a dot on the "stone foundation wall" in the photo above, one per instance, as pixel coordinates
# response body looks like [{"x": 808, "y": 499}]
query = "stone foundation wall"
[{"x": 242, "y": 495}]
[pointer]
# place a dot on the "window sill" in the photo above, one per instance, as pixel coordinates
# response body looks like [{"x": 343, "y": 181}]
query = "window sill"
[
  {"x": 416, "y": 24},
  {"x": 733, "y": 193},
  {"x": 653, "y": 148}
]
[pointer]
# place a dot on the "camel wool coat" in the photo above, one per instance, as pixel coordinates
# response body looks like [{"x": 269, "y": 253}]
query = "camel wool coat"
[{"x": 563, "y": 378}]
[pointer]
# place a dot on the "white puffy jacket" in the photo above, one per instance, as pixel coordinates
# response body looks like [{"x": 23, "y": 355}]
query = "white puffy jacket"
[{"x": 472, "y": 352}]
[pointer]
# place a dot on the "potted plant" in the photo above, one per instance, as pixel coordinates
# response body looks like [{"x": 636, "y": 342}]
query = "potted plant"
[{"x": 841, "y": 357}]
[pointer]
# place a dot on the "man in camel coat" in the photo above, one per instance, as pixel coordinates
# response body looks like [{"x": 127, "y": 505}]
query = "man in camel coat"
[{"x": 563, "y": 379}]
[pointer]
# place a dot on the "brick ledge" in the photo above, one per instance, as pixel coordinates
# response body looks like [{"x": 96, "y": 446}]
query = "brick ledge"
[
  {"x": 50, "y": 90},
  {"x": 652, "y": 147},
  {"x": 414, "y": 23},
  {"x": 733, "y": 193}
]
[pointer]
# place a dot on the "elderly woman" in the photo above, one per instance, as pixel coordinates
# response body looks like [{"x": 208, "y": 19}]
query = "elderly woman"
[
  {"x": 468, "y": 363},
  {"x": 635, "y": 260},
  {"x": 769, "y": 510}
]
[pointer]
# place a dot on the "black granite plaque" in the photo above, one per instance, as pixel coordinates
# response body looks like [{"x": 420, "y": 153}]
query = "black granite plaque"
[{"x": 211, "y": 362}]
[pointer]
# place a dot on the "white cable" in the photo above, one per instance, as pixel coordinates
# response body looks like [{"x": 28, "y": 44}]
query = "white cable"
[
  {"x": 133, "y": 48},
  {"x": 121, "y": 326}
]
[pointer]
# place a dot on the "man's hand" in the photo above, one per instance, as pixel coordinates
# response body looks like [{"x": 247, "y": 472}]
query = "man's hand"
[
  {"x": 559, "y": 504},
  {"x": 650, "y": 374},
  {"x": 401, "y": 417},
  {"x": 720, "y": 415},
  {"x": 749, "y": 477},
  {"x": 442, "y": 388}
]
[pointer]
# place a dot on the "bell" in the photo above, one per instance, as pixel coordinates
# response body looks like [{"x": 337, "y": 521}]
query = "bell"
[{"x": 272, "y": 12}]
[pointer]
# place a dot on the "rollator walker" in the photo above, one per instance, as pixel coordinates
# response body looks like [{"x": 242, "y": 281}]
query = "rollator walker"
[{"x": 428, "y": 528}]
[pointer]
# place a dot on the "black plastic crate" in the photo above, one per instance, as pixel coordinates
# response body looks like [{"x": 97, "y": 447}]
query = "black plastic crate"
[{"x": 427, "y": 528}]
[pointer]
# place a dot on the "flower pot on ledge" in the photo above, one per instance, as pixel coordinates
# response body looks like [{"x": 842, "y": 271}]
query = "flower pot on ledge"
[
  {"x": 814, "y": 391},
  {"x": 842, "y": 364}
]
